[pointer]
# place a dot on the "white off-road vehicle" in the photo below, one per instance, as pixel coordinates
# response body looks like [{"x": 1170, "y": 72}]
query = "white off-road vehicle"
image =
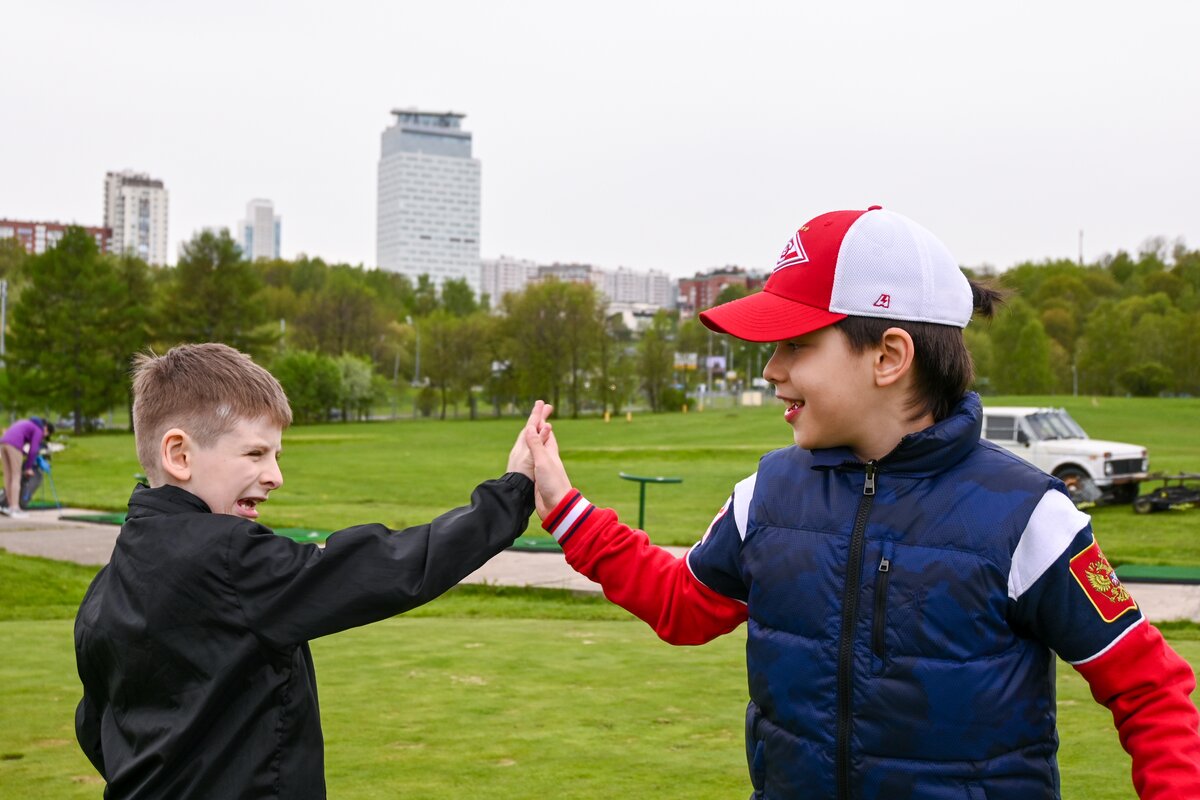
[{"x": 1051, "y": 440}]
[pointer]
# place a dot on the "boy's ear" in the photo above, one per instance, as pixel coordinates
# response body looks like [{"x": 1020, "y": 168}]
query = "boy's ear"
[
  {"x": 894, "y": 356},
  {"x": 175, "y": 453}
]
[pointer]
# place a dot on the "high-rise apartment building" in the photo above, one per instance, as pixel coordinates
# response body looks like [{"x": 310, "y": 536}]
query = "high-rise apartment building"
[
  {"x": 38, "y": 237},
  {"x": 427, "y": 213},
  {"x": 499, "y": 276},
  {"x": 135, "y": 208},
  {"x": 260, "y": 231}
]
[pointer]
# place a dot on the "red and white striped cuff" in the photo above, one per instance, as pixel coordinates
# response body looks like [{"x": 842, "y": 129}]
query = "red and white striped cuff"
[{"x": 567, "y": 516}]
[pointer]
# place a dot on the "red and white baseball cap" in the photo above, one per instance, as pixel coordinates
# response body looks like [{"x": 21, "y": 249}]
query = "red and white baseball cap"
[{"x": 872, "y": 263}]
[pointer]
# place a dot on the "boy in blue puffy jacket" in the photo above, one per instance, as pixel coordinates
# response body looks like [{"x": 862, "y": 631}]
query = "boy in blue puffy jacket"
[{"x": 906, "y": 583}]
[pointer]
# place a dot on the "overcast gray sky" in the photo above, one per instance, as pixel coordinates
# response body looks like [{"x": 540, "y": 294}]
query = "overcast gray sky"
[{"x": 673, "y": 135}]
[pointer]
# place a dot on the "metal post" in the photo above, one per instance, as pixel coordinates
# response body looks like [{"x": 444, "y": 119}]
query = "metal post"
[{"x": 642, "y": 494}]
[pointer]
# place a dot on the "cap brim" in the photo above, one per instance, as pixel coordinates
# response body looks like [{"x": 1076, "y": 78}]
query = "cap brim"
[{"x": 767, "y": 317}]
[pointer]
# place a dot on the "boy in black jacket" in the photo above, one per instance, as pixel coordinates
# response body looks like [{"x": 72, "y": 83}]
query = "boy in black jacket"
[{"x": 192, "y": 644}]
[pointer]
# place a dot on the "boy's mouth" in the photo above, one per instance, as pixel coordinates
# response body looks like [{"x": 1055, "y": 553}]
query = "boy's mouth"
[
  {"x": 248, "y": 506},
  {"x": 793, "y": 409}
]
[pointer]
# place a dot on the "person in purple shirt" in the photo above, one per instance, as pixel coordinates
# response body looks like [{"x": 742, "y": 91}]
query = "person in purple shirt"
[{"x": 17, "y": 460}]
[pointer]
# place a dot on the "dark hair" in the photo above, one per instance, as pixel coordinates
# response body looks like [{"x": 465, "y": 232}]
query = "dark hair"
[{"x": 942, "y": 364}]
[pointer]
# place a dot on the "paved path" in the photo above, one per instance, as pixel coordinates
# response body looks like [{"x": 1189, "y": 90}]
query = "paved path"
[{"x": 44, "y": 534}]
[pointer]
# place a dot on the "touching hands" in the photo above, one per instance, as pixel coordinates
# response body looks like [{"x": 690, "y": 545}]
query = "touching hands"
[
  {"x": 550, "y": 477},
  {"x": 520, "y": 459},
  {"x": 535, "y": 455}
]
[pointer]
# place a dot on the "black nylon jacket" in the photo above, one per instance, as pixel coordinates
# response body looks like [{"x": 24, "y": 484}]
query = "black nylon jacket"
[{"x": 192, "y": 644}]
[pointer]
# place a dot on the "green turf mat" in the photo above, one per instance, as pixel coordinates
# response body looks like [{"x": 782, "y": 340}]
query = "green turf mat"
[
  {"x": 1148, "y": 573},
  {"x": 302, "y": 534},
  {"x": 537, "y": 544},
  {"x": 113, "y": 518}
]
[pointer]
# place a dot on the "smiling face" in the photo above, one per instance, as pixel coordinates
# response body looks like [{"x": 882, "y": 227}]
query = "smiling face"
[
  {"x": 827, "y": 387},
  {"x": 237, "y": 473}
]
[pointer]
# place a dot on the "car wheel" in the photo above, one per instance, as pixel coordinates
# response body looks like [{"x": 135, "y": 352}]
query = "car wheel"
[
  {"x": 1142, "y": 505},
  {"x": 1075, "y": 479}
]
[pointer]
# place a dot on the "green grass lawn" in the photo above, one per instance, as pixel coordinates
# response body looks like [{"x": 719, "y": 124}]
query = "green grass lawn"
[
  {"x": 485, "y": 693},
  {"x": 406, "y": 472}
]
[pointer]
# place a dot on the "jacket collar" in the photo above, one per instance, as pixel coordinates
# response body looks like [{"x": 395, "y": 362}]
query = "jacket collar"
[
  {"x": 925, "y": 452},
  {"x": 145, "y": 502}
]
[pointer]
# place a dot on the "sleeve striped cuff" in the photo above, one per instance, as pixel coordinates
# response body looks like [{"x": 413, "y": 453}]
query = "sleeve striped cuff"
[{"x": 567, "y": 516}]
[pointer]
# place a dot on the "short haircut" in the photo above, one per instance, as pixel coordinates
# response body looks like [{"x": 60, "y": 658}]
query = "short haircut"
[
  {"x": 203, "y": 389},
  {"x": 943, "y": 368}
]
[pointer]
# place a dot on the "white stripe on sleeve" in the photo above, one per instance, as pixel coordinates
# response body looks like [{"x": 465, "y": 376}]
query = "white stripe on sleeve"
[
  {"x": 742, "y": 494},
  {"x": 1052, "y": 526},
  {"x": 560, "y": 530}
]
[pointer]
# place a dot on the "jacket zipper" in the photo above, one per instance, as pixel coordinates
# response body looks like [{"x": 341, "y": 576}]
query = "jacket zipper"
[
  {"x": 846, "y": 642},
  {"x": 882, "y": 574}
]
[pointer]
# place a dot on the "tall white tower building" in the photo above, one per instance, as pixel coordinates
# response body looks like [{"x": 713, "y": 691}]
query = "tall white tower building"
[
  {"x": 135, "y": 208},
  {"x": 260, "y": 231},
  {"x": 427, "y": 211}
]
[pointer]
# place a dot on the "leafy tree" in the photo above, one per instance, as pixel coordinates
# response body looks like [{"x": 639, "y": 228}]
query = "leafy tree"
[
  {"x": 1020, "y": 351},
  {"x": 656, "y": 360},
  {"x": 312, "y": 382},
  {"x": 979, "y": 344},
  {"x": 457, "y": 297},
  {"x": 552, "y": 331},
  {"x": 425, "y": 296},
  {"x": 68, "y": 348},
  {"x": 731, "y": 292},
  {"x": 358, "y": 391},
  {"x": 342, "y": 317},
  {"x": 440, "y": 349},
  {"x": 215, "y": 297},
  {"x": 12, "y": 258},
  {"x": 1146, "y": 380}
]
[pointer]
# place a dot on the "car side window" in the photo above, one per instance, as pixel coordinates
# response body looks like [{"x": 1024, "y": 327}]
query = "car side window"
[{"x": 1000, "y": 429}]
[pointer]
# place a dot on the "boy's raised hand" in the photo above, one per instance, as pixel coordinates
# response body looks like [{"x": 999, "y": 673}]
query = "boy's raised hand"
[
  {"x": 550, "y": 477},
  {"x": 520, "y": 459}
]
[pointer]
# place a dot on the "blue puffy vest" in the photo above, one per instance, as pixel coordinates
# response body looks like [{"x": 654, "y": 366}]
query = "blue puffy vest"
[{"x": 881, "y": 659}]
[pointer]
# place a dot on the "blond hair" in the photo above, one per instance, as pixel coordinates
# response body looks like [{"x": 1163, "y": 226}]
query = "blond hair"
[{"x": 203, "y": 389}]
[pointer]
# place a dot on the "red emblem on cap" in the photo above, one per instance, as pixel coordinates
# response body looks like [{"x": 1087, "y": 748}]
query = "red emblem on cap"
[
  {"x": 793, "y": 253},
  {"x": 884, "y": 301},
  {"x": 1100, "y": 583}
]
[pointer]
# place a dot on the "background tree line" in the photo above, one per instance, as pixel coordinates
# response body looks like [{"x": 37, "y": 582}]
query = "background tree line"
[{"x": 344, "y": 340}]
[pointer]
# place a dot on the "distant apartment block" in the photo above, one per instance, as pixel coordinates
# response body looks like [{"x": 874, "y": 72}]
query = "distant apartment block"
[
  {"x": 701, "y": 290},
  {"x": 135, "y": 209},
  {"x": 259, "y": 232},
  {"x": 38, "y": 237},
  {"x": 428, "y": 199},
  {"x": 500, "y": 276},
  {"x": 622, "y": 285}
]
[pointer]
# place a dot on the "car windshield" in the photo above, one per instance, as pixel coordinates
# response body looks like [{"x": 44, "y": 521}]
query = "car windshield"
[{"x": 1055, "y": 425}]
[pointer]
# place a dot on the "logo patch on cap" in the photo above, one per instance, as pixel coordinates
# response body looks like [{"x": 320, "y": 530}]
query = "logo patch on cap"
[
  {"x": 1100, "y": 583},
  {"x": 793, "y": 253}
]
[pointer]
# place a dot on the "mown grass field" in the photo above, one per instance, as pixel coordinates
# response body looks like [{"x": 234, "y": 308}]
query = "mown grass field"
[
  {"x": 496, "y": 694},
  {"x": 405, "y": 472}
]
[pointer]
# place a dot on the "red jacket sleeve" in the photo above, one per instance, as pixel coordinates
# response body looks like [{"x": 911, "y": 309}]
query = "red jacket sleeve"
[
  {"x": 649, "y": 582},
  {"x": 1146, "y": 685}
]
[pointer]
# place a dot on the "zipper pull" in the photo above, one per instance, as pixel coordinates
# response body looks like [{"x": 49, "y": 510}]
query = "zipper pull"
[
  {"x": 885, "y": 564},
  {"x": 869, "y": 487}
]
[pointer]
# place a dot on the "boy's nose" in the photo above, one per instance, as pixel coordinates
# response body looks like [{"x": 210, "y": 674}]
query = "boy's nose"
[
  {"x": 273, "y": 476},
  {"x": 771, "y": 370}
]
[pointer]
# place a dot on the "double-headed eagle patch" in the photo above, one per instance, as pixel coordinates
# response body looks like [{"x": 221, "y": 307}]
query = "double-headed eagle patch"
[{"x": 1100, "y": 583}]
